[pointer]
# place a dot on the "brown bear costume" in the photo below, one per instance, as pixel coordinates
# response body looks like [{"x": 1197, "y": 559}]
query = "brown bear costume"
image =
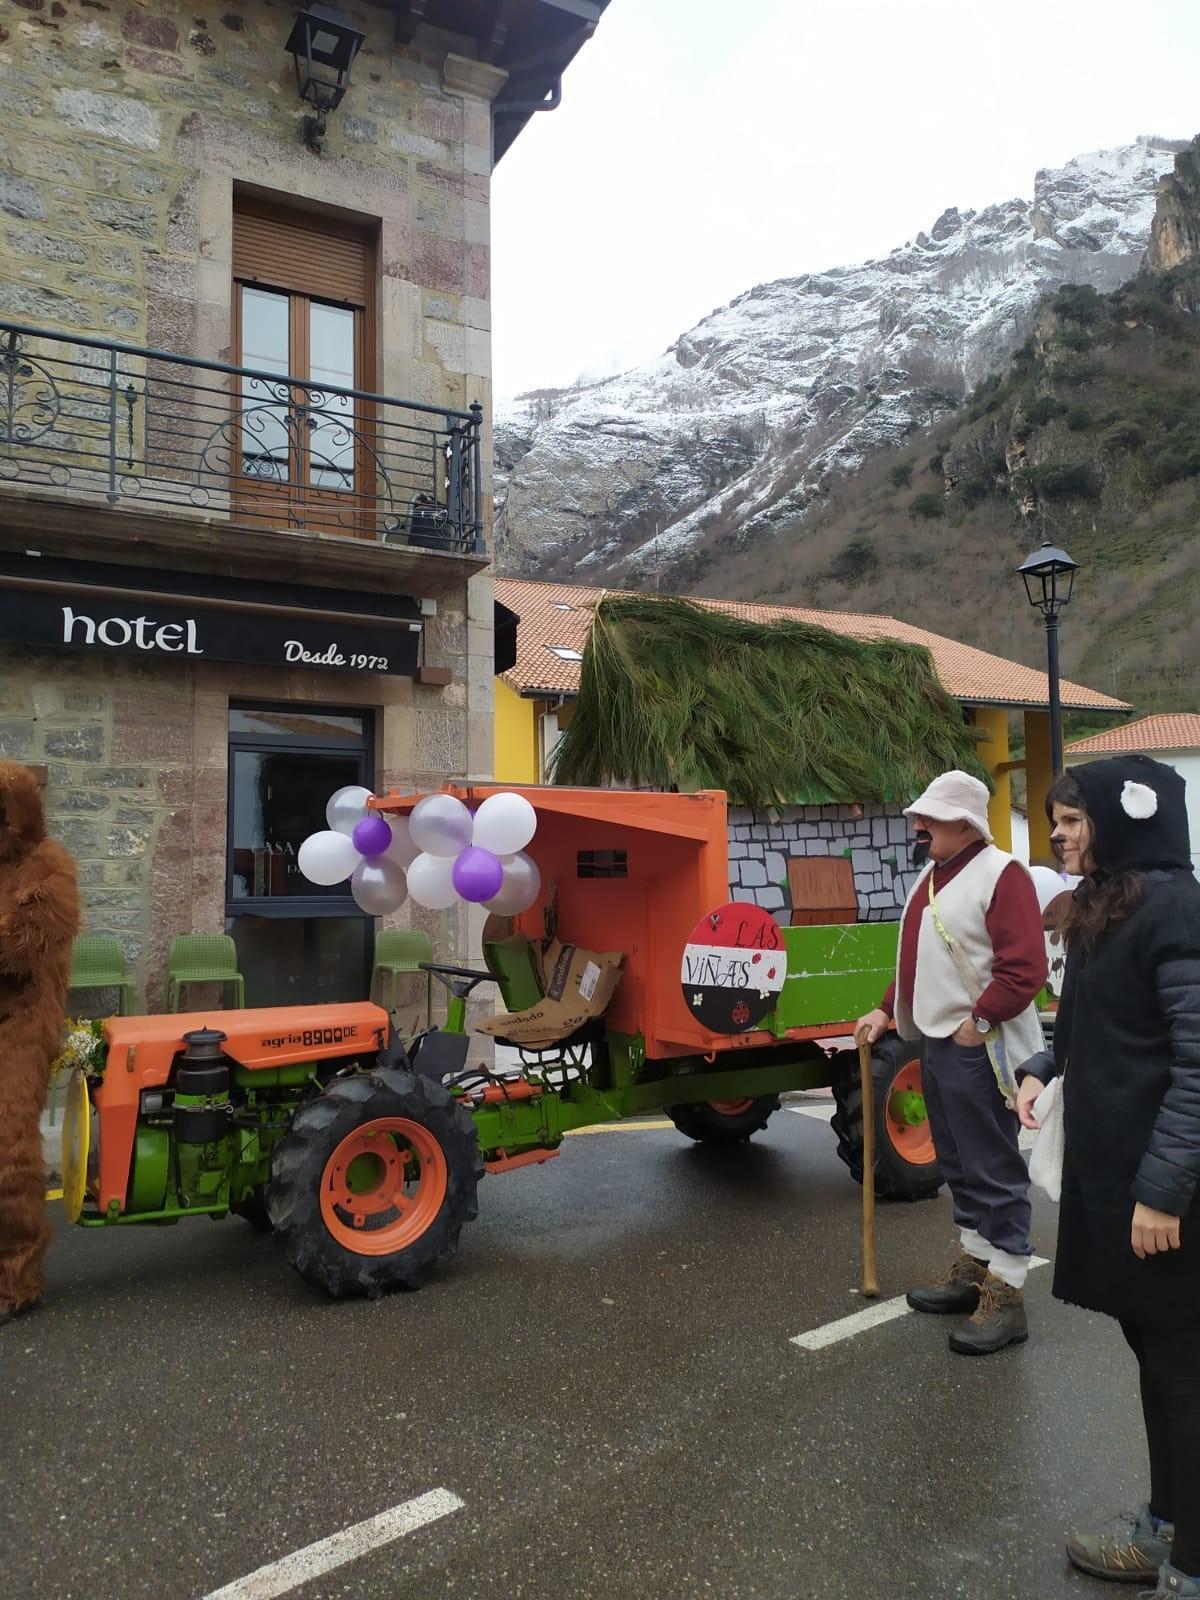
[{"x": 39, "y": 918}]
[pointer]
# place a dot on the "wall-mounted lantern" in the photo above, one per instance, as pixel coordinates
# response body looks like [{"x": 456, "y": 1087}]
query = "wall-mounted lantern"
[{"x": 323, "y": 43}]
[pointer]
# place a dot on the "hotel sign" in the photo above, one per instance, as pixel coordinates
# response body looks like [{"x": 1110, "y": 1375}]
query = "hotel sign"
[{"x": 199, "y": 628}]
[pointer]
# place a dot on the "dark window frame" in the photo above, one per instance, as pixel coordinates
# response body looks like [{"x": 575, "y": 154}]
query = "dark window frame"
[{"x": 294, "y": 906}]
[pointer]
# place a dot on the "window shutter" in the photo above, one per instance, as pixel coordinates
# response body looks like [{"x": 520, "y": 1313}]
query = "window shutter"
[{"x": 309, "y": 255}]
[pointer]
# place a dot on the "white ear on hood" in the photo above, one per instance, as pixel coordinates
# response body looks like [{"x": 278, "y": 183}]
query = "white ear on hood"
[{"x": 1138, "y": 801}]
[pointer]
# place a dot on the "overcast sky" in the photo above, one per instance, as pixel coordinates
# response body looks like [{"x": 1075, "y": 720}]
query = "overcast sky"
[{"x": 704, "y": 146}]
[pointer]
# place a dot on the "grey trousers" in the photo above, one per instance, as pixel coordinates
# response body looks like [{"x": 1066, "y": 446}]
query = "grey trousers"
[{"x": 975, "y": 1136}]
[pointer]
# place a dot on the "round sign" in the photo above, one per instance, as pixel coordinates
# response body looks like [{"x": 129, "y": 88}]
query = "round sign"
[{"x": 733, "y": 968}]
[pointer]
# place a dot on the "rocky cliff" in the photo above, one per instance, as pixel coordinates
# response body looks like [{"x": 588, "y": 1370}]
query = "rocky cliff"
[{"x": 744, "y": 425}]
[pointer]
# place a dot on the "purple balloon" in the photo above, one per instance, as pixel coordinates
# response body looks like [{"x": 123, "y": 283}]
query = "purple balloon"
[
  {"x": 478, "y": 874},
  {"x": 371, "y": 836}
]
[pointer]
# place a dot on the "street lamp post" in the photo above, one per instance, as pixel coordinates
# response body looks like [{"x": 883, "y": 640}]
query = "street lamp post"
[{"x": 1049, "y": 576}]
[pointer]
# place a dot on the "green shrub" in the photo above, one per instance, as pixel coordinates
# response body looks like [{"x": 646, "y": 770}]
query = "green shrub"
[
  {"x": 1044, "y": 409},
  {"x": 1123, "y": 434},
  {"x": 973, "y": 489},
  {"x": 937, "y": 463},
  {"x": 1076, "y": 373},
  {"x": 927, "y": 504},
  {"x": 854, "y": 561},
  {"x": 1077, "y": 302},
  {"x": 1076, "y": 339},
  {"x": 1065, "y": 480},
  {"x": 1079, "y": 419},
  {"x": 900, "y": 477}
]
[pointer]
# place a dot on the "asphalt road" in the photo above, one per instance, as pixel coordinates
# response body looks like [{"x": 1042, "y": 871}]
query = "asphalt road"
[{"x": 603, "y": 1376}]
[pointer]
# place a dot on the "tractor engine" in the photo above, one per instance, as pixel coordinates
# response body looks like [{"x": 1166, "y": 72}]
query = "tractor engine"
[{"x": 202, "y": 1121}]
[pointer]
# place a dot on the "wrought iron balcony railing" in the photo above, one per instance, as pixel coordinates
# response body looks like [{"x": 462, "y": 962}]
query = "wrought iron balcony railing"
[{"x": 259, "y": 449}]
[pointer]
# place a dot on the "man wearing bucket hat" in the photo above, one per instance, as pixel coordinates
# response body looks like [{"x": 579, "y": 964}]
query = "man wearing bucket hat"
[{"x": 971, "y": 959}]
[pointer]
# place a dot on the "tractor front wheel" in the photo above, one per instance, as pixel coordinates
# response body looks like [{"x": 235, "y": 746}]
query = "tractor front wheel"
[
  {"x": 905, "y": 1161},
  {"x": 373, "y": 1182},
  {"x": 724, "y": 1122}
]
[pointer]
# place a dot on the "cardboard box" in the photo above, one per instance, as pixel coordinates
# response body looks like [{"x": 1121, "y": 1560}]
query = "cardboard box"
[{"x": 578, "y": 985}]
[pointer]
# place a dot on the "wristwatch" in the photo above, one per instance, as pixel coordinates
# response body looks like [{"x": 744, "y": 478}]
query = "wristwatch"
[{"x": 981, "y": 1025}]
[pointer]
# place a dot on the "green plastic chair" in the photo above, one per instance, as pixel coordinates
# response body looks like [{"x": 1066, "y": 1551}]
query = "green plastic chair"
[
  {"x": 398, "y": 952},
  {"x": 98, "y": 962},
  {"x": 510, "y": 961},
  {"x": 202, "y": 958}
]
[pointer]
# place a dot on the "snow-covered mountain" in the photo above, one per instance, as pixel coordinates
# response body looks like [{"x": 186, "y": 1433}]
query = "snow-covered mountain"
[{"x": 749, "y": 416}]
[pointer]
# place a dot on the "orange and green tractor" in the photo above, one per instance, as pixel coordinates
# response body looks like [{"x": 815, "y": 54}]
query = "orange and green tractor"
[{"x": 363, "y": 1152}]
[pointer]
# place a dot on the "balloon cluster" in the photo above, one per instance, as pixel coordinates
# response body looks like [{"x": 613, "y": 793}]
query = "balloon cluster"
[
  {"x": 442, "y": 853},
  {"x": 479, "y": 858}
]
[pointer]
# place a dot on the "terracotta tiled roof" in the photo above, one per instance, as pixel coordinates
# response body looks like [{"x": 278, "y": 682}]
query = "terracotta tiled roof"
[
  {"x": 1168, "y": 730},
  {"x": 561, "y": 614}
]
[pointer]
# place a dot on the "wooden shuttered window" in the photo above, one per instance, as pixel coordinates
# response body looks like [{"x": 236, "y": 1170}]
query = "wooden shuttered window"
[{"x": 309, "y": 255}]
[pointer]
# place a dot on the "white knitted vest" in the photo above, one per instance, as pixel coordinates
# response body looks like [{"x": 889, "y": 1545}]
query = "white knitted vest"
[{"x": 941, "y": 1001}]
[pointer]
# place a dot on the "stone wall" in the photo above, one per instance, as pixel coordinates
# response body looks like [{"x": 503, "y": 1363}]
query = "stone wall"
[
  {"x": 136, "y": 754},
  {"x": 126, "y": 127},
  {"x": 876, "y": 839}
]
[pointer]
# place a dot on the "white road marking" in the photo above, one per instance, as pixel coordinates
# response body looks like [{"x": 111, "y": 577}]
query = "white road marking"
[
  {"x": 869, "y": 1317},
  {"x": 359, "y": 1540},
  {"x": 823, "y": 1111}
]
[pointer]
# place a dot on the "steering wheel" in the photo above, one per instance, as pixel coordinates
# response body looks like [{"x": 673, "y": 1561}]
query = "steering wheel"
[{"x": 468, "y": 977}]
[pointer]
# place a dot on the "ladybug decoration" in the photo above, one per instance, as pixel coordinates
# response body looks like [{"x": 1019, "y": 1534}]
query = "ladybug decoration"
[{"x": 733, "y": 969}]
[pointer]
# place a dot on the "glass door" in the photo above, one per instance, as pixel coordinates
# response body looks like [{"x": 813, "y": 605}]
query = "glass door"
[
  {"x": 297, "y": 943},
  {"x": 303, "y": 448}
]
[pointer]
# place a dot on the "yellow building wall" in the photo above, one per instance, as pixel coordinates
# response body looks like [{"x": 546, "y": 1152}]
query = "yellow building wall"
[
  {"x": 992, "y": 722},
  {"x": 516, "y": 737},
  {"x": 1039, "y": 775}
]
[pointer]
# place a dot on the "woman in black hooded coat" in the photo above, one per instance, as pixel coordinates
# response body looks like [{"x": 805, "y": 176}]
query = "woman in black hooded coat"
[{"x": 1127, "y": 1042}]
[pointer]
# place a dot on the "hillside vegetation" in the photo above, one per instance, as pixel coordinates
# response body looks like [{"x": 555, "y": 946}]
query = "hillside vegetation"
[{"x": 1089, "y": 438}]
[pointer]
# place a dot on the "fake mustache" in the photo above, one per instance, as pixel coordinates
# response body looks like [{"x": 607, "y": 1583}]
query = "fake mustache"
[{"x": 920, "y": 849}]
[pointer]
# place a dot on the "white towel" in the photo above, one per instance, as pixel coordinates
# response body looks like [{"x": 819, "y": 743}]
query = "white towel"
[{"x": 1046, "y": 1157}]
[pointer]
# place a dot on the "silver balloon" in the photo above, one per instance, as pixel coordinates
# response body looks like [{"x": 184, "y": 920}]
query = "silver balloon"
[
  {"x": 402, "y": 848},
  {"x": 440, "y": 825},
  {"x": 346, "y": 807},
  {"x": 327, "y": 857},
  {"x": 379, "y": 886},
  {"x": 520, "y": 889}
]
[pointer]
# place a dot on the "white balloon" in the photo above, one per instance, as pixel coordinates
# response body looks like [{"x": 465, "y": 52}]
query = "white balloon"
[
  {"x": 346, "y": 807},
  {"x": 504, "y": 824},
  {"x": 522, "y": 884},
  {"x": 378, "y": 886},
  {"x": 401, "y": 849},
  {"x": 327, "y": 857},
  {"x": 1050, "y": 884},
  {"x": 430, "y": 882},
  {"x": 440, "y": 825}
]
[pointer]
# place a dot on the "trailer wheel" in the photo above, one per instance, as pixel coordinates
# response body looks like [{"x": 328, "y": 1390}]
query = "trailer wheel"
[
  {"x": 252, "y": 1208},
  {"x": 371, "y": 1185},
  {"x": 905, "y": 1161},
  {"x": 723, "y": 1122}
]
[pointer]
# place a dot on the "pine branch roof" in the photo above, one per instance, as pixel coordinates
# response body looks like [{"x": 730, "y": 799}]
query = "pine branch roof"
[{"x": 674, "y": 695}]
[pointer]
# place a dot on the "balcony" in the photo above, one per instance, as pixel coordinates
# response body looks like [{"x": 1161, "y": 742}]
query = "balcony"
[{"x": 192, "y": 462}]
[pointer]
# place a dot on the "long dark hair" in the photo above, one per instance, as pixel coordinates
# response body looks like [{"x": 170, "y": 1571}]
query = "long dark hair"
[{"x": 1101, "y": 899}]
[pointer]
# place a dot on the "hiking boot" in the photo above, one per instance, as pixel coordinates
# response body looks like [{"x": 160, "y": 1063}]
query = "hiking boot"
[
  {"x": 1131, "y": 1554},
  {"x": 1173, "y": 1585},
  {"x": 956, "y": 1291},
  {"x": 998, "y": 1320}
]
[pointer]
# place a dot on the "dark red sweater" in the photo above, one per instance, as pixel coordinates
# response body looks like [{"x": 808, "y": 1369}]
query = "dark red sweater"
[{"x": 1014, "y": 925}]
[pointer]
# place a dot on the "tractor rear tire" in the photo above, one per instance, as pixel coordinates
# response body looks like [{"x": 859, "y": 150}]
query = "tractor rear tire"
[
  {"x": 722, "y": 1123},
  {"x": 371, "y": 1185},
  {"x": 905, "y": 1162}
]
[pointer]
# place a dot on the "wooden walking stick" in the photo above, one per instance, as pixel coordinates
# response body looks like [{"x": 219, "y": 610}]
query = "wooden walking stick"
[{"x": 870, "y": 1280}]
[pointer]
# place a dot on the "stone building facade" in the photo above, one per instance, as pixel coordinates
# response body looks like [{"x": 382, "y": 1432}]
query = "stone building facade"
[
  {"x": 876, "y": 840},
  {"x": 159, "y": 212}
]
